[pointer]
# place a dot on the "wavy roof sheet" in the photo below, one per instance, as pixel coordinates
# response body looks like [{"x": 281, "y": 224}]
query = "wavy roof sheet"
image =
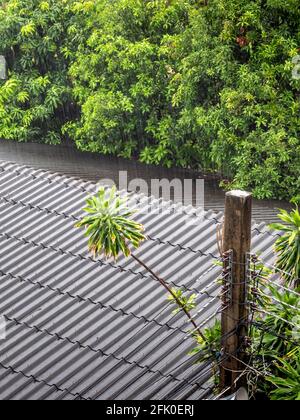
[{"x": 80, "y": 328}]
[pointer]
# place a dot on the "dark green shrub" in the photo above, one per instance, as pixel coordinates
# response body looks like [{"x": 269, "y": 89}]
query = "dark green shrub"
[{"x": 36, "y": 39}]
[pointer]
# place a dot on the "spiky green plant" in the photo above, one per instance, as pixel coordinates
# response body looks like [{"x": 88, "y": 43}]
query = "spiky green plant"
[
  {"x": 108, "y": 225},
  {"x": 279, "y": 322},
  {"x": 287, "y": 383},
  {"x": 287, "y": 246},
  {"x": 111, "y": 231}
]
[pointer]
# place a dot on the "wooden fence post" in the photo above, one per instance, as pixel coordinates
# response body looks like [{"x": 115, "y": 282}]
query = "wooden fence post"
[{"x": 237, "y": 243}]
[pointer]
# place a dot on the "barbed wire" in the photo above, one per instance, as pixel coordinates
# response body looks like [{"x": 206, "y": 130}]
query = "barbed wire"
[
  {"x": 277, "y": 270},
  {"x": 278, "y": 285},
  {"x": 260, "y": 293},
  {"x": 277, "y": 317},
  {"x": 265, "y": 328},
  {"x": 211, "y": 268},
  {"x": 205, "y": 322}
]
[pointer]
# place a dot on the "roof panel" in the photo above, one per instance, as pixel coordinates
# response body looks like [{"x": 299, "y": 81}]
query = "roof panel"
[{"x": 80, "y": 328}]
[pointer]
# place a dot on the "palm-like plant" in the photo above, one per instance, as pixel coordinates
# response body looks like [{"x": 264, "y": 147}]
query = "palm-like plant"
[
  {"x": 288, "y": 246},
  {"x": 287, "y": 383},
  {"x": 109, "y": 227},
  {"x": 282, "y": 319},
  {"x": 112, "y": 232}
]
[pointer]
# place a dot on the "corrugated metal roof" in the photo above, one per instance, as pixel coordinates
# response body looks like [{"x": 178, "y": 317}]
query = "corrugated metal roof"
[{"x": 80, "y": 328}]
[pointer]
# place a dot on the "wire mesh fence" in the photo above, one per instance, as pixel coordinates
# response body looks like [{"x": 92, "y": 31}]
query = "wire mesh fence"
[
  {"x": 273, "y": 319},
  {"x": 272, "y": 323}
]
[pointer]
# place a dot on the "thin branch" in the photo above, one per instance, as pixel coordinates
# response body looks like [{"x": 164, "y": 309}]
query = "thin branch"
[{"x": 167, "y": 287}]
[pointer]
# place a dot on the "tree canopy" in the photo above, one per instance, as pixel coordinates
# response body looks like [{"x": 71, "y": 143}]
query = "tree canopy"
[{"x": 200, "y": 84}]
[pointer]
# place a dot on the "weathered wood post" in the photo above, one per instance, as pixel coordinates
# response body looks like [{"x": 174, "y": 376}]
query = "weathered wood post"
[{"x": 237, "y": 244}]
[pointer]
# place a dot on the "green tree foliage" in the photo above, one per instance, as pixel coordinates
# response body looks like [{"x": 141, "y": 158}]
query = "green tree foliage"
[
  {"x": 36, "y": 100},
  {"x": 211, "y": 87},
  {"x": 241, "y": 62},
  {"x": 123, "y": 79},
  {"x": 201, "y": 84}
]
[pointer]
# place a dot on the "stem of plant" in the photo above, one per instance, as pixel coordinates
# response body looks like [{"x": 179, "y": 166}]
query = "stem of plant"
[{"x": 168, "y": 288}]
